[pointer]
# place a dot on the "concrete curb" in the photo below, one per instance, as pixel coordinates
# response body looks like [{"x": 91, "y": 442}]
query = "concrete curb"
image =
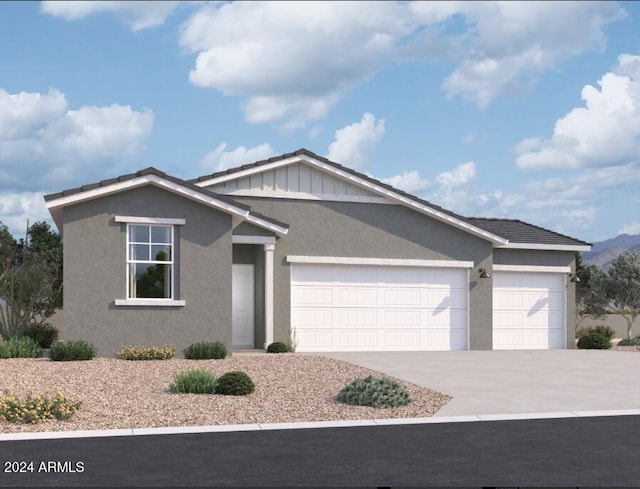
[{"x": 175, "y": 430}]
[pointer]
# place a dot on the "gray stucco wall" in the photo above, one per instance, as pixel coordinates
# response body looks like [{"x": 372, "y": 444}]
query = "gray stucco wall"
[
  {"x": 376, "y": 231},
  {"x": 95, "y": 264},
  {"x": 546, "y": 258}
]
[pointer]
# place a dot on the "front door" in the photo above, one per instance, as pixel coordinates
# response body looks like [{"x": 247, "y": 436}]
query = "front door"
[{"x": 243, "y": 306}]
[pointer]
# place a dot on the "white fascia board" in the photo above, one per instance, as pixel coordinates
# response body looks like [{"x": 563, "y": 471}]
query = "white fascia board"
[
  {"x": 356, "y": 180},
  {"x": 244, "y": 239},
  {"x": 143, "y": 180},
  {"x": 542, "y": 246},
  {"x": 283, "y": 194},
  {"x": 531, "y": 268},
  {"x": 151, "y": 220},
  {"x": 397, "y": 262}
]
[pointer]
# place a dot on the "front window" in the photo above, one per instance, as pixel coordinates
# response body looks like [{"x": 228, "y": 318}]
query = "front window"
[{"x": 149, "y": 261}]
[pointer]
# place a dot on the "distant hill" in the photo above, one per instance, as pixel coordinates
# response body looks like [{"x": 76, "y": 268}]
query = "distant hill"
[{"x": 603, "y": 252}]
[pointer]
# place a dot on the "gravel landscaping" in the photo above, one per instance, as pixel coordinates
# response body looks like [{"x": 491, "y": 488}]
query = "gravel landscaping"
[{"x": 135, "y": 394}]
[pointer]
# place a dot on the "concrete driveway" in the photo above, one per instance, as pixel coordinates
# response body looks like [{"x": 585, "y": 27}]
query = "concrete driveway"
[{"x": 510, "y": 382}]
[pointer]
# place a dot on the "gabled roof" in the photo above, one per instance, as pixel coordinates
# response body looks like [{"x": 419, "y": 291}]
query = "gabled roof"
[
  {"x": 528, "y": 236},
  {"x": 373, "y": 185},
  {"x": 151, "y": 176}
]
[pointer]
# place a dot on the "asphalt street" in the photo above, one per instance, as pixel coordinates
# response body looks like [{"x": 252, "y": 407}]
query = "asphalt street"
[{"x": 567, "y": 452}]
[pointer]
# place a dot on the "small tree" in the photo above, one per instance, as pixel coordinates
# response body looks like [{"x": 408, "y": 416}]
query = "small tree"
[
  {"x": 589, "y": 302},
  {"x": 620, "y": 286},
  {"x": 30, "y": 280}
]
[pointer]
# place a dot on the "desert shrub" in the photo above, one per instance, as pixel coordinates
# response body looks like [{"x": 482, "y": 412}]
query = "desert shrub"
[
  {"x": 277, "y": 347},
  {"x": 67, "y": 351},
  {"x": 205, "y": 351},
  {"x": 594, "y": 341},
  {"x": 235, "y": 383},
  {"x": 635, "y": 341},
  {"x": 20, "y": 347},
  {"x": 146, "y": 353},
  {"x": 35, "y": 408},
  {"x": 196, "y": 381},
  {"x": 375, "y": 392},
  {"x": 43, "y": 334},
  {"x": 605, "y": 331}
]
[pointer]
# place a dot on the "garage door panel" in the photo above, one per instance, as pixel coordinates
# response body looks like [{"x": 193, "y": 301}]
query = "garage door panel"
[
  {"x": 349, "y": 339},
  {"x": 350, "y": 318},
  {"x": 312, "y": 296},
  {"x": 401, "y": 297},
  {"x": 360, "y": 297},
  {"x": 312, "y": 318},
  {"x": 402, "y": 339},
  {"x": 378, "y": 308},
  {"x": 399, "y": 317}
]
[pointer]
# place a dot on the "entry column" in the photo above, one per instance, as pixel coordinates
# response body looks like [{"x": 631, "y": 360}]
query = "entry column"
[{"x": 268, "y": 293}]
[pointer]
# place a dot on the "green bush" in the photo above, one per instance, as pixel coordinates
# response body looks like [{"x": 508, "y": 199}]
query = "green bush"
[
  {"x": 235, "y": 383},
  {"x": 43, "y": 334},
  {"x": 35, "y": 408},
  {"x": 605, "y": 331},
  {"x": 277, "y": 347},
  {"x": 196, "y": 381},
  {"x": 635, "y": 341},
  {"x": 146, "y": 353},
  {"x": 22, "y": 347},
  {"x": 67, "y": 351},
  {"x": 594, "y": 341},
  {"x": 371, "y": 391},
  {"x": 205, "y": 351}
]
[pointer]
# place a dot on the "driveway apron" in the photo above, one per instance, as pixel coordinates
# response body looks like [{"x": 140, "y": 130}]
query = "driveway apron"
[{"x": 511, "y": 382}]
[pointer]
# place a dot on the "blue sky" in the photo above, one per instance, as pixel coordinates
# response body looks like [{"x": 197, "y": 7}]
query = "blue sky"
[{"x": 520, "y": 110}]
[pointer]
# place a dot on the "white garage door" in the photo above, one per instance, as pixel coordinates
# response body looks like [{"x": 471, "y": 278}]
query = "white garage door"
[
  {"x": 528, "y": 310},
  {"x": 365, "y": 307}
]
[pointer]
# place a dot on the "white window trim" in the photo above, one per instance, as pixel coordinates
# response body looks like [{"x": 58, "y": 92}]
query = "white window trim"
[
  {"x": 136, "y": 301},
  {"x": 149, "y": 302},
  {"x": 531, "y": 268},
  {"x": 397, "y": 262},
  {"x": 151, "y": 220}
]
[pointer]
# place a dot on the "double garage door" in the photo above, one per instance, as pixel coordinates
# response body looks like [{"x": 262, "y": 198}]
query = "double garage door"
[{"x": 366, "y": 307}]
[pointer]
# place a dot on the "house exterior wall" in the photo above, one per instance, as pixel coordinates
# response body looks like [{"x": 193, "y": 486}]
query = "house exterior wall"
[
  {"x": 546, "y": 258},
  {"x": 348, "y": 229},
  {"x": 95, "y": 264}
]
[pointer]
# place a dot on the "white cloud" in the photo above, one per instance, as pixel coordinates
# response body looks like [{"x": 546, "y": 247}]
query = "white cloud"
[
  {"x": 630, "y": 228},
  {"x": 353, "y": 142},
  {"x": 605, "y": 132},
  {"x": 219, "y": 159},
  {"x": 291, "y": 61},
  {"x": 139, "y": 14},
  {"x": 45, "y": 144},
  {"x": 512, "y": 42},
  {"x": 409, "y": 181},
  {"x": 470, "y": 138},
  {"x": 18, "y": 207},
  {"x": 460, "y": 175}
]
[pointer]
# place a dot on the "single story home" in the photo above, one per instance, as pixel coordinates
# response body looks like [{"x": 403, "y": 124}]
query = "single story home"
[{"x": 298, "y": 245}]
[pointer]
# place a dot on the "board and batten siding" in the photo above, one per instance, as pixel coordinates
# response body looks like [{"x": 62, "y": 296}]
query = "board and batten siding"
[{"x": 297, "y": 177}]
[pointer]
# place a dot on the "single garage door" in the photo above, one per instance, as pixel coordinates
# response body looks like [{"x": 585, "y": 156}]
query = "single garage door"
[
  {"x": 528, "y": 310},
  {"x": 366, "y": 307}
]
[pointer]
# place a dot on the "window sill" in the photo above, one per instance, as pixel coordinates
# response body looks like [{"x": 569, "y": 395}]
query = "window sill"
[{"x": 149, "y": 302}]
